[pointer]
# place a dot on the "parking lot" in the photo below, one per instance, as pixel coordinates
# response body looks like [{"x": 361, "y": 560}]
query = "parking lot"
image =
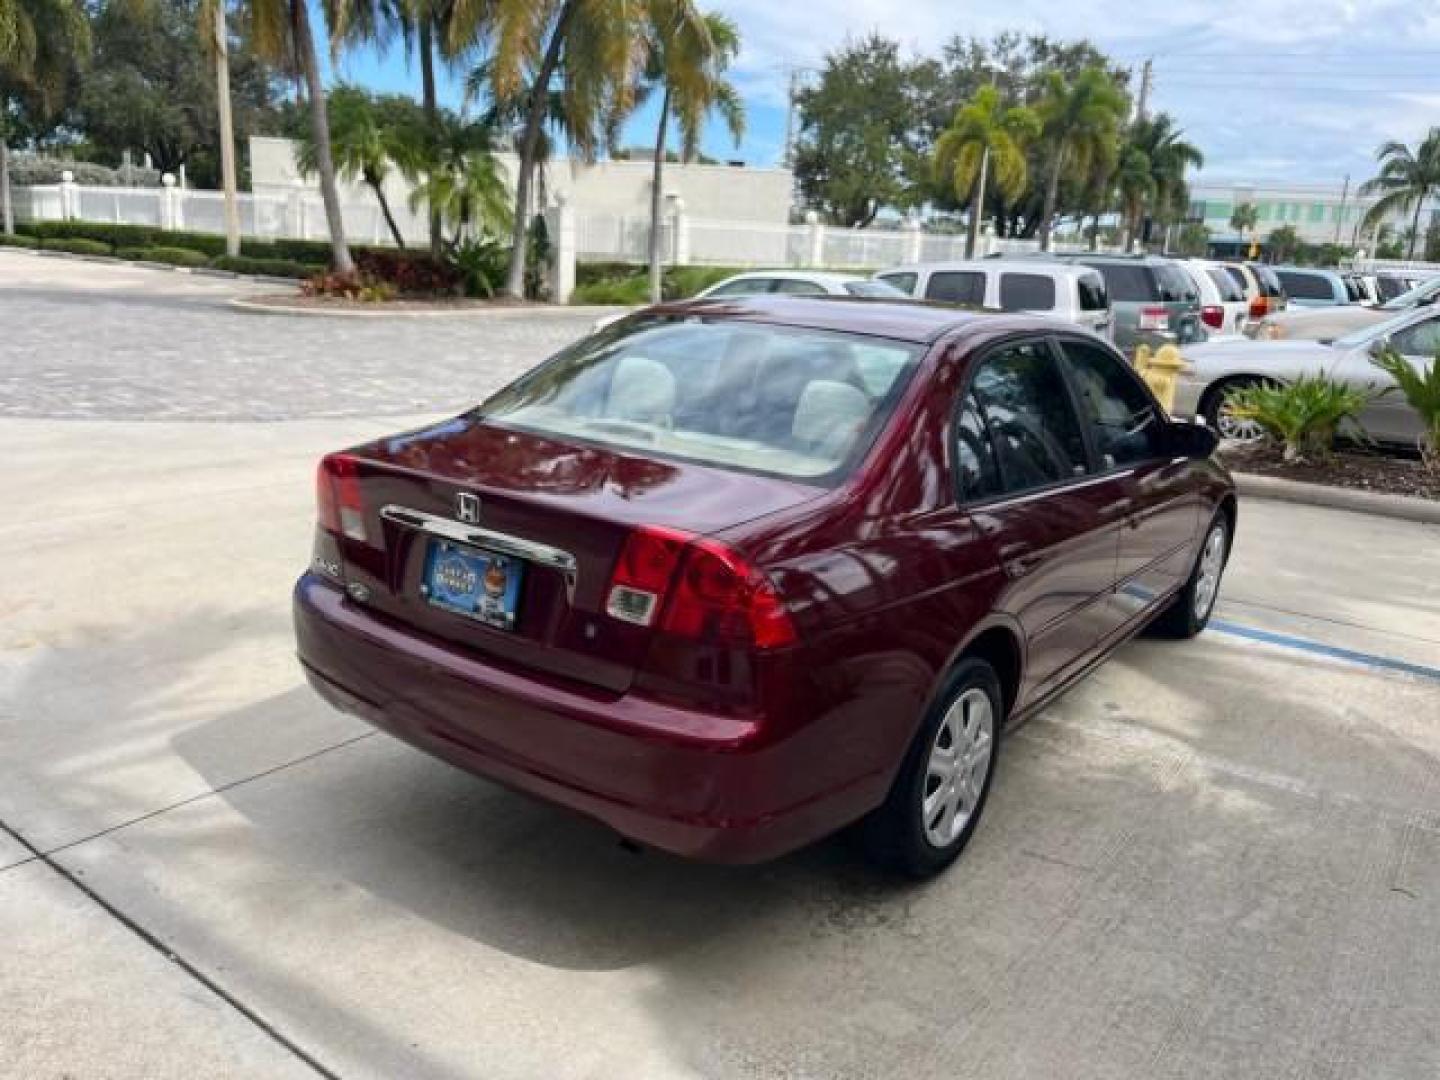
[{"x": 1218, "y": 858}]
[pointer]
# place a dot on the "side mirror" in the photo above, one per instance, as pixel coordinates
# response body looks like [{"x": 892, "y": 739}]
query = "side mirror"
[{"x": 1190, "y": 440}]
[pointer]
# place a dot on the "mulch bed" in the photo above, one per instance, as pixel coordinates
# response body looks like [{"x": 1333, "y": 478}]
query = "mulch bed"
[
  {"x": 1363, "y": 470},
  {"x": 340, "y": 303}
]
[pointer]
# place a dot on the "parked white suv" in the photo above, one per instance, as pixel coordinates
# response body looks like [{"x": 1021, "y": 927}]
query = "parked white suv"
[
  {"x": 1223, "y": 306},
  {"x": 1068, "y": 291}
]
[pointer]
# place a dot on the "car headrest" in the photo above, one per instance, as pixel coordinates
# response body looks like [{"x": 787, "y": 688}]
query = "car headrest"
[
  {"x": 828, "y": 415},
  {"x": 642, "y": 390}
]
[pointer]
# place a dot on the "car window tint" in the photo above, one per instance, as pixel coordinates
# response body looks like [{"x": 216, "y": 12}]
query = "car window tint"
[
  {"x": 905, "y": 282},
  {"x": 1123, "y": 420},
  {"x": 956, "y": 287},
  {"x": 979, "y": 474},
  {"x": 799, "y": 287},
  {"x": 1128, "y": 283},
  {"x": 1027, "y": 292},
  {"x": 1093, "y": 296},
  {"x": 1027, "y": 411},
  {"x": 1422, "y": 339},
  {"x": 1239, "y": 278},
  {"x": 1230, "y": 290},
  {"x": 1269, "y": 283},
  {"x": 743, "y": 287},
  {"x": 1174, "y": 284},
  {"x": 1299, "y": 285},
  {"x": 875, "y": 290}
]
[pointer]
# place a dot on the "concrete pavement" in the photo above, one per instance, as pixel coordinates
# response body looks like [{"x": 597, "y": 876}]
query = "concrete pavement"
[{"x": 1218, "y": 858}]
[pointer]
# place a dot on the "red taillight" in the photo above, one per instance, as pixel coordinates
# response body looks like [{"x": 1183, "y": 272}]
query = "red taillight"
[
  {"x": 716, "y": 596},
  {"x": 1213, "y": 316},
  {"x": 1259, "y": 307},
  {"x": 337, "y": 496},
  {"x": 1154, "y": 318}
]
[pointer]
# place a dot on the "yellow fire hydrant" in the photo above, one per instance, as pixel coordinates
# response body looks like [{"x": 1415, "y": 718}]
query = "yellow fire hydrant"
[{"x": 1160, "y": 370}]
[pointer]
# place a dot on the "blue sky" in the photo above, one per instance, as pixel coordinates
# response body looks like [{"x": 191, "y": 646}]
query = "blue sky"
[{"x": 1271, "y": 90}]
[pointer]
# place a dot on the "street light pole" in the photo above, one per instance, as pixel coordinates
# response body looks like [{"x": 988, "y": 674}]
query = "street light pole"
[{"x": 977, "y": 207}]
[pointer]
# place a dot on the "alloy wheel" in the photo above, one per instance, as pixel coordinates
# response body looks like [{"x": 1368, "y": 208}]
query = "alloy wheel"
[
  {"x": 958, "y": 765},
  {"x": 1212, "y": 565}
]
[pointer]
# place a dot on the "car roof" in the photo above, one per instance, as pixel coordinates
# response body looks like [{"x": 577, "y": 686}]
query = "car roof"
[
  {"x": 789, "y": 272},
  {"x": 1027, "y": 266},
  {"x": 1286, "y": 269},
  {"x": 903, "y": 320}
]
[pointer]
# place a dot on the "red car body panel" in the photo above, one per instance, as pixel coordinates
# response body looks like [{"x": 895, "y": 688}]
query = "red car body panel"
[{"x": 729, "y": 754}]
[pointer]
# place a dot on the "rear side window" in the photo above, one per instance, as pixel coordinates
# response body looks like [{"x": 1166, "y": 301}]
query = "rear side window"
[
  {"x": 1174, "y": 285},
  {"x": 1302, "y": 286},
  {"x": 1027, "y": 292},
  {"x": 1128, "y": 283},
  {"x": 798, "y": 287},
  {"x": 1093, "y": 296},
  {"x": 905, "y": 282},
  {"x": 956, "y": 287},
  {"x": 1225, "y": 281},
  {"x": 1033, "y": 429},
  {"x": 1122, "y": 417}
]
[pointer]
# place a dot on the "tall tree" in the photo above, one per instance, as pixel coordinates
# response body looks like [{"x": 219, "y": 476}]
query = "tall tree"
[
  {"x": 587, "y": 51},
  {"x": 1167, "y": 156},
  {"x": 282, "y": 33},
  {"x": 1081, "y": 119},
  {"x": 1134, "y": 181},
  {"x": 986, "y": 138},
  {"x": 1407, "y": 178},
  {"x": 687, "y": 56},
  {"x": 368, "y": 137},
  {"x": 464, "y": 183},
  {"x": 41, "y": 42},
  {"x": 856, "y": 132}
]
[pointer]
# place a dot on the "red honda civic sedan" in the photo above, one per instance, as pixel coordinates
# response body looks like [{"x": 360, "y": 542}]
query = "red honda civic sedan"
[{"x": 730, "y": 575}]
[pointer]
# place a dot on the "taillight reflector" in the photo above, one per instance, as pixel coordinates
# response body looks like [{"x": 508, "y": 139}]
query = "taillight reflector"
[
  {"x": 697, "y": 589},
  {"x": 337, "y": 496}
]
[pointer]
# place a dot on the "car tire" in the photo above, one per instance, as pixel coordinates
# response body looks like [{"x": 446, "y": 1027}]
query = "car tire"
[
  {"x": 919, "y": 829},
  {"x": 1214, "y": 399},
  {"x": 1190, "y": 610}
]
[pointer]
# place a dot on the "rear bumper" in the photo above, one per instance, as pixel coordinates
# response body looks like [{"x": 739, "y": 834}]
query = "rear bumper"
[{"x": 699, "y": 785}]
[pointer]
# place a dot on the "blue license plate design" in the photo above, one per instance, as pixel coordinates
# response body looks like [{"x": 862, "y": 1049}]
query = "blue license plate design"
[{"x": 481, "y": 585}]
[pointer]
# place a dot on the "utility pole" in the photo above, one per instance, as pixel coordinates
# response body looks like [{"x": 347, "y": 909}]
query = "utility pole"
[
  {"x": 1340, "y": 213},
  {"x": 227, "y": 130},
  {"x": 792, "y": 93},
  {"x": 1147, "y": 72}
]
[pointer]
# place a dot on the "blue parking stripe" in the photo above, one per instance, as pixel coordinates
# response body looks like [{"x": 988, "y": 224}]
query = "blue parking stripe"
[{"x": 1269, "y": 637}]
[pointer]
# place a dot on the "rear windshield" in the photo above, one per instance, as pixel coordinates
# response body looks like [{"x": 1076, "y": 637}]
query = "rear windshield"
[
  {"x": 1269, "y": 283},
  {"x": 1299, "y": 285},
  {"x": 1128, "y": 282},
  {"x": 1027, "y": 292},
  {"x": 775, "y": 400},
  {"x": 1229, "y": 286},
  {"x": 1239, "y": 277},
  {"x": 1175, "y": 284}
]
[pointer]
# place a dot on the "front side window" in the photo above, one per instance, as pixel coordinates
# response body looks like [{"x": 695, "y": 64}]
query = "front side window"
[
  {"x": 904, "y": 281},
  {"x": 1422, "y": 339},
  {"x": 799, "y": 287},
  {"x": 743, "y": 287},
  {"x": 760, "y": 398},
  {"x": 1027, "y": 411},
  {"x": 1124, "y": 423},
  {"x": 956, "y": 287},
  {"x": 1027, "y": 292}
]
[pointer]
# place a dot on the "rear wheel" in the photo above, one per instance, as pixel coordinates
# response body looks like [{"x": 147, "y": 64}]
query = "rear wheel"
[
  {"x": 1222, "y": 420},
  {"x": 939, "y": 794},
  {"x": 1190, "y": 611}
]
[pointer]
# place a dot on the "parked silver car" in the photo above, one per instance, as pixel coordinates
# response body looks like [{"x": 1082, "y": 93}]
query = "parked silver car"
[
  {"x": 1326, "y": 324},
  {"x": 1214, "y": 369}
]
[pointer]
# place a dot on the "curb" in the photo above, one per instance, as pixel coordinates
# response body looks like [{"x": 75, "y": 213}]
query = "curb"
[
  {"x": 383, "y": 311},
  {"x": 171, "y": 268},
  {"x": 1402, "y": 507}
]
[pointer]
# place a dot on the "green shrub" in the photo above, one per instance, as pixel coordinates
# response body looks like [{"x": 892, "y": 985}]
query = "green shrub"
[
  {"x": 301, "y": 251},
  {"x": 683, "y": 282},
  {"x": 245, "y": 264},
  {"x": 19, "y": 240},
  {"x": 628, "y": 291},
  {"x": 1304, "y": 415},
  {"x": 77, "y": 246},
  {"x": 173, "y": 256},
  {"x": 1422, "y": 391}
]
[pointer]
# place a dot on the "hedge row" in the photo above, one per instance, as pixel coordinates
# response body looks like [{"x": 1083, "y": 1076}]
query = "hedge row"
[
  {"x": 677, "y": 283},
  {"x": 316, "y": 253},
  {"x": 172, "y": 256},
  {"x": 18, "y": 240}
]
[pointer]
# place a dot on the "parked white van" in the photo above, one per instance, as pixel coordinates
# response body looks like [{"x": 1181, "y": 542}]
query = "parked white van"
[{"x": 1068, "y": 291}]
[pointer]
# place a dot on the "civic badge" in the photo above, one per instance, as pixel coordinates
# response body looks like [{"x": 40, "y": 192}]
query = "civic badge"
[{"x": 467, "y": 508}]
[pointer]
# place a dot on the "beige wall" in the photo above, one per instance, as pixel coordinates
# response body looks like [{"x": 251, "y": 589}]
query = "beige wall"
[{"x": 622, "y": 188}]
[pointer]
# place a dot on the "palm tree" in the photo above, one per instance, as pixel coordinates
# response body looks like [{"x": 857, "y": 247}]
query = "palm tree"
[
  {"x": 41, "y": 41},
  {"x": 1135, "y": 185},
  {"x": 687, "y": 55},
  {"x": 281, "y": 33},
  {"x": 593, "y": 48},
  {"x": 362, "y": 145},
  {"x": 985, "y": 136},
  {"x": 1080, "y": 124},
  {"x": 1168, "y": 156},
  {"x": 1244, "y": 218},
  {"x": 463, "y": 183},
  {"x": 1406, "y": 180}
]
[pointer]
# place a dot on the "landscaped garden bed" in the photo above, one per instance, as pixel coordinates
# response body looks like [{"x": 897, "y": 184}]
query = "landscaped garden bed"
[{"x": 1356, "y": 468}]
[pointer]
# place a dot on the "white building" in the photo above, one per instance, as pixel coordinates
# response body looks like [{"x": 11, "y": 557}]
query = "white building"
[{"x": 1319, "y": 213}]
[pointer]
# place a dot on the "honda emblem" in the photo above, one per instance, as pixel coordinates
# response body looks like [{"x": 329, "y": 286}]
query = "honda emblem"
[{"x": 467, "y": 508}]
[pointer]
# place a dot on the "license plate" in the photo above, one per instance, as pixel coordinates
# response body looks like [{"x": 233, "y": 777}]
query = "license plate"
[{"x": 481, "y": 585}]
